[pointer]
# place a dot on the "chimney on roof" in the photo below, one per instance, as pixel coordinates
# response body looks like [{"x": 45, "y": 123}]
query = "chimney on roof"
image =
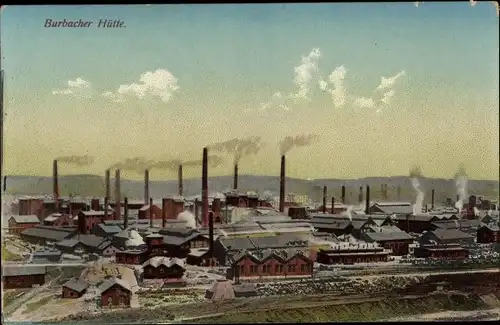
[
  {"x": 125, "y": 213},
  {"x": 204, "y": 187},
  {"x": 333, "y": 205},
  {"x": 151, "y": 212},
  {"x": 343, "y": 194},
  {"x": 360, "y": 195},
  {"x": 179, "y": 176},
  {"x": 282, "y": 184},
  {"x": 55, "y": 180},
  {"x": 324, "y": 198},
  {"x": 146, "y": 186},
  {"x": 107, "y": 181},
  {"x": 367, "y": 206},
  {"x": 432, "y": 199},
  {"x": 118, "y": 210},
  {"x": 163, "y": 212},
  {"x": 235, "y": 181}
]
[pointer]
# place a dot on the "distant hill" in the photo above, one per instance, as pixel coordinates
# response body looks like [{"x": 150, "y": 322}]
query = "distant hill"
[{"x": 92, "y": 185}]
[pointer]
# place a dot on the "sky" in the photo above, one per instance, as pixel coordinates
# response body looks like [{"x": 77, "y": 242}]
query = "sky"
[{"x": 378, "y": 88}]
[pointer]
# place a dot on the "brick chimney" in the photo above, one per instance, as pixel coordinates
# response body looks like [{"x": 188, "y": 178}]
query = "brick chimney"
[
  {"x": 367, "y": 205},
  {"x": 164, "y": 212},
  {"x": 204, "y": 187},
  {"x": 125, "y": 213},
  {"x": 432, "y": 199},
  {"x": 118, "y": 208},
  {"x": 95, "y": 204},
  {"x": 343, "y": 194},
  {"x": 333, "y": 205},
  {"x": 106, "y": 204},
  {"x": 146, "y": 186},
  {"x": 360, "y": 195},
  {"x": 282, "y": 184},
  {"x": 55, "y": 183},
  {"x": 151, "y": 212},
  {"x": 235, "y": 180},
  {"x": 107, "y": 181},
  {"x": 324, "y": 198},
  {"x": 179, "y": 176}
]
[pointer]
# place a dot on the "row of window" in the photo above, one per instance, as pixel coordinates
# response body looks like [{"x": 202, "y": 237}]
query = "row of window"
[{"x": 278, "y": 268}]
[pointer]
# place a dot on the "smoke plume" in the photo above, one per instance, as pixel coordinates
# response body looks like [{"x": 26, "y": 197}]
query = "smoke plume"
[
  {"x": 461, "y": 184},
  {"x": 290, "y": 142},
  {"x": 415, "y": 174},
  {"x": 476, "y": 211},
  {"x": 173, "y": 164},
  {"x": 137, "y": 164},
  {"x": 239, "y": 147},
  {"x": 348, "y": 212},
  {"x": 76, "y": 160},
  {"x": 189, "y": 218}
]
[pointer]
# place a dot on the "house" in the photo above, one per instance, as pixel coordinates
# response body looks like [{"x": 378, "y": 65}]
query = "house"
[
  {"x": 58, "y": 220},
  {"x": 444, "y": 237},
  {"x": 25, "y": 276},
  {"x": 147, "y": 212},
  {"x": 115, "y": 293},
  {"x": 488, "y": 233},
  {"x": 133, "y": 257},
  {"x": 110, "y": 250},
  {"x": 270, "y": 262},
  {"x": 74, "y": 289},
  {"x": 46, "y": 234},
  {"x": 18, "y": 224},
  {"x": 160, "y": 267},
  {"x": 391, "y": 238},
  {"x": 178, "y": 242}
]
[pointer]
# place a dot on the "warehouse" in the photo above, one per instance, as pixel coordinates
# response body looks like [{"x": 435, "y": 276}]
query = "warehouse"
[
  {"x": 391, "y": 238},
  {"x": 87, "y": 243},
  {"x": 46, "y": 257},
  {"x": 414, "y": 223},
  {"x": 18, "y": 277},
  {"x": 18, "y": 224},
  {"x": 160, "y": 267},
  {"x": 348, "y": 253},
  {"x": 449, "y": 251},
  {"x": 444, "y": 237},
  {"x": 46, "y": 234}
]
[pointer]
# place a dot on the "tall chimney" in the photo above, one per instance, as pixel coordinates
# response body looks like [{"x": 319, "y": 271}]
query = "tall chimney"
[
  {"x": 118, "y": 208},
  {"x": 204, "y": 187},
  {"x": 235, "y": 184},
  {"x": 179, "y": 176},
  {"x": 432, "y": 199},
  {"x": 333, "y": 205},
  {"x": 163, "y": 212},
  {"x": 108, "y": 183},
  {"x": 151, "y": 212},
  {"x": 324, "y": 199},
  {"x": 399, "y": 192},
  {"x": 360, "y": 195},
  {"x": 55, "y": 183},
  {"x": 146, "y": 186},
  {"x": 367, "y": 205},
  {"x": 282, "y": 184},
  {"x": 196, "y": 212},
  {"x": 211, "y": 234},
  {"x": 106, "y": 204},
  {"x": 343, "y": 194},
  {"x": 125, "y": 213}
]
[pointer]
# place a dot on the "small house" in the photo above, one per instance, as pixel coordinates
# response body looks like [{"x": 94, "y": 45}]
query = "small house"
[
  {"x": 74, "y": 289},
  {"x": 18, "y": 224},
  {"x": 115, "y": 293}
]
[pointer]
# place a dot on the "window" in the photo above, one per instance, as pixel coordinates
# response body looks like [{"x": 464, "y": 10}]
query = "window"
[
  {"x": 277, "y": 268},
  {"x": 242, "y": 269},
  {"x": 303, "y": 268},
  {"x": 254, "y": 269},
  {"x": 291, "y": 268},
  {"x": 264, "y": 268},
  {"x": 110, "y": 301}
]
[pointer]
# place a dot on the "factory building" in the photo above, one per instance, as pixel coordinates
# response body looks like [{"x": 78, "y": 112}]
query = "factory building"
[
  {"x": 19, "y": 277},
  {"x": 488, "y": 233},
  {"x": 160, "y": 267},
  {"x": 83, "y": 243},
  {"x": 150, "y": 212},
  {"x": 412, "y": 223},
  {"x": 46, "y": 234},
  {"x": 348, "y": 253},
  {"x": 389, "y": 237},
  {"x": 58, "y": 220},
  {"x": 88, "y": 219},
  {"x": 115, "y": 293},
  {"x": 19, "y": 223},
  {"x": 450, "y": 251}
]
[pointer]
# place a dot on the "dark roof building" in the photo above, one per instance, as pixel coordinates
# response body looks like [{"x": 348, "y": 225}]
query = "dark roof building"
[
  {"x": 47, "y": 234},
  {"x": 26, "y": 219},
  {"x": 445, "y": 237}
]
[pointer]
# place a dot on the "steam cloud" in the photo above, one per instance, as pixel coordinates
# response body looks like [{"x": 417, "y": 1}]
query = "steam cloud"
[
  {"x": 348, "y": 212},
  {"x": 239, "y": 147},
  {"x": 290, "y": 142},
  {"x": 461, "y": 184},
  {"x": 415, "y": 174},
  {"x": 189, "y": 218},
  {"x": 76, "y": 160},
  {"x": 137, "y": 164}
]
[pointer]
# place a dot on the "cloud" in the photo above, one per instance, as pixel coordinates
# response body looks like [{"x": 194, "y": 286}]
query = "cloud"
[
  {"x": 157, "y": 84},
  {"x": 472, "y": 3},
  {"x": 387, "y": 96},
  {"x": 277, "y": 99},
  {"x": 78, "y": 88},
  {"x": 322, "y": 84},
  {"x": 339, "y": 92},
  {"x": 364, "y": 102},
  {"x": 304, "y": 73},
  {"x": 387, "y": 83}
]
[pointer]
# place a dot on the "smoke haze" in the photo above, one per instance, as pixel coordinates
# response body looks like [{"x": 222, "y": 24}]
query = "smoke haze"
[
  {"x": 415, "y": 174},
  {"x": 76, "y": 160},
  {"x": 136, "y": 164},
  {"x": 239, "y": 148},
  {"x": 173, "y": 164},
  {"x": 461, "y": 184},
  {"x": 290, "y": 142}
]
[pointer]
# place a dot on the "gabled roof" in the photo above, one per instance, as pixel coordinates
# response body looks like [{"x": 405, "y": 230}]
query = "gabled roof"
[
  {"x": 161, "y": 260},
  {"x": 109, "y": 229},
  {"x": 15, "y": 270},
  {"x": 450, "y": 234},
  {"x": 491, "y": 227},
  {"x": 285, "y": 240},
  {"x": 25, "y": 219},
  {"x": 56, "y": 234},
  {"x": 76, "y": 285},
  {"x": 386, "y": 235},
  {"x": 106, "y": 285}
]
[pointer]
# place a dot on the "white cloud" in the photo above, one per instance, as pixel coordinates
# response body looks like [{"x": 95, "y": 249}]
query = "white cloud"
[
  {"x": 322, "y": 84},
  {"x": 472, "y": 3},
  {"x": 304, "y": 73},
  {"x": 157, "y": 84},
  {"x": 364, "y": 102},
  {"x": 388, "y": 83},
  {"x": 339, "y": 92},
  {"x": 78, "y": 88},
  {"x": 387, "y": 96},
  {"x": 277, "y": 99}
]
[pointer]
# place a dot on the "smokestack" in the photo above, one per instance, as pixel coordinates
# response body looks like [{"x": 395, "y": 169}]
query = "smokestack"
[
  {"x": 367, "y": 206},
  {"x": 399, "y": 192},
  {"x": 343, "y": 194},
  {"x": 432, "y": 199},
  {"x": 118, "y": 208},
  {"x": 333, "y": 205},
  {"x": 125, "y": 213},
  {"x": 146, "y": 186},
  {"x": 55, "y": 184},
  {"x": 211, "y": 234},
  {"x": 181, "y": 187},
  {"x": 282, "y": 185},
  {"x": 235, "y": 184},
  {"x": 204, "y": 187},
  {"x": 106, "y": 204},
  {"x": 108, "y": 183},
  {"x": 360, "y": 195},
  {"x": 163, "y": 212},
  {"x": 324, "y": 199},
  {"x": 151, "y": 212},
  {"x": 196, "y": 204}
]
